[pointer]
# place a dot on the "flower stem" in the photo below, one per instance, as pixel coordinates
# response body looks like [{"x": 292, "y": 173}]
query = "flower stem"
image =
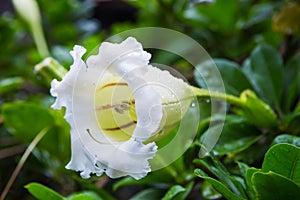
[
  {"x": 247, "y": 105},
  {"x": 202, "y": 93},
  {"x": 23, "y": 159},
  {"x": 40, "y": 41}
]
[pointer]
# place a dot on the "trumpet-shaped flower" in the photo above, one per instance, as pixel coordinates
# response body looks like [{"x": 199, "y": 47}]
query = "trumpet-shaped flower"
[{"x": 117, "y": 106}]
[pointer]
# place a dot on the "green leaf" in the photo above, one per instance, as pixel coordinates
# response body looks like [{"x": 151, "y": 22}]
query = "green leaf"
[
  {"x": 265, "y": 71},
  {"x": 159, "y": 176},
  {"x": 254, "y": 153},
  {"x": 220, "y": 187},
  {"x": 234, "y": 183},
  {"x": 229, "y": 10},
  {"x": 92, "y": 188},
  {"x": 209, "y": 192},
  {"x": 183, "y": 195},
  {"x": 274, "y": 186},
  {"x": 292, "y": 83},
  {"x": 87, "y": 195},
  {"x": 42, "y": 192},
  {"x": 257, "y": 14},
  {"x": 236, "y": 136},
  {"x": 285, "y": 138},
  {"x": 292, "y": 122},
  {"x": 243, "y": 168},
  {"x": 25, "y": 120},
  {"x": 283, "y": 159},
  {"x": 173, "y": 191},
  {"x": 248, "y": 178},
  {"x": 148, "y": 194},
  {"x": 256, "y": 111},
  {"x": 229, "y": 70},
  {"x": 10, "y": 84},
  {"x": 249, "y": 174},
  {"x": 207, "y": 75}
]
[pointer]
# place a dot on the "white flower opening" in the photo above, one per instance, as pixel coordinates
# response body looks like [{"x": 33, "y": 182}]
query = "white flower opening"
[{"x": 117, "y": 105}]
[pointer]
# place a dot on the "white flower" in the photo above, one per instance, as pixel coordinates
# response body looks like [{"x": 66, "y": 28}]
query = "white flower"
[{"x": 117, "y": 105}]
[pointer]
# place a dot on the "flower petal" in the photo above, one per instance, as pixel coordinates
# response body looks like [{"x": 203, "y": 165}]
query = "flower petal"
[
  {"x": 176, "y": 97},
  {"x": 130, "y": 158},
  {"x": 129, "y": 61},
  {"x": 81, "y": 160},
  {"x": 110, "y": 53},
  {"x": 63, "y": 90}
]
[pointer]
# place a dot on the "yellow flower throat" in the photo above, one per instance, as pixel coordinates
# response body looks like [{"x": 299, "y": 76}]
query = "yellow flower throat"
[{"x": 115, "y": 109}]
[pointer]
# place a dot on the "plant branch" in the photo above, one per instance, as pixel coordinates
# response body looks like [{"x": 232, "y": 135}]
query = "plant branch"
[
  {"x": 27, "y": 152},
  {"x": 11, "y": 151}
]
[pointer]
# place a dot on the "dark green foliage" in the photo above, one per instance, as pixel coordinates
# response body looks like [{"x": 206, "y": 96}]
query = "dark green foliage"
[{"x": 257, "y": 155}]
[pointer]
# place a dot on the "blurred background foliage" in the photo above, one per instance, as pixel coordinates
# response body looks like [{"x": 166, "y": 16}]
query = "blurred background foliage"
[{"x": 230, "y": 30}]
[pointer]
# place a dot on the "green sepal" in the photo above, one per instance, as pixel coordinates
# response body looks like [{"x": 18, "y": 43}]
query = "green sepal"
[{"x": 256, "y": 111}]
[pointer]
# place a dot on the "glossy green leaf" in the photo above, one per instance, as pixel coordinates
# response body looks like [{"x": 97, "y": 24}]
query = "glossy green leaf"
[
  {"x": 219, "y": 186},
  {"x": 92, "y": 188},
  {"x": 236, "y": 136},
  {"x": 84, "y": 196},
  {"x": 206, "y": 15},
  {"x": 10, "y": 84},
  {"x": 274, "y": 186},
  {"x": 235, "y": 81},
  {"x": 293, "y": 121},
  {"x": 285, "y": 138},
  {"x": 42, "y": 192},
  {"x": 249, "y": 184},
  {"x": 183, "y": 195},
  {"x": 213, "y": 10},
  {"x": 265, "y": 71},
  {"x": 257, "y": 14},
  {"x": 215, "y": 166},
  {"x": 292, "y": 83},
  {"x": 283, "y": 159},
  {"x": 127, "y": 181},
  {"x": 159, "y": 176},
  {"x": 249, "y": 174},
  {"x": 148, "y": 194},
  {"x": 209, "y": 192},
  {"x": 254, "y": 152},
  {"x": 209, "y": 138},
  {"x": 207, "y": 75},
  {"x": 25, "y": 120},
  {"x": 243, "y": 168},
  {"x": 173, "y": 191}
]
